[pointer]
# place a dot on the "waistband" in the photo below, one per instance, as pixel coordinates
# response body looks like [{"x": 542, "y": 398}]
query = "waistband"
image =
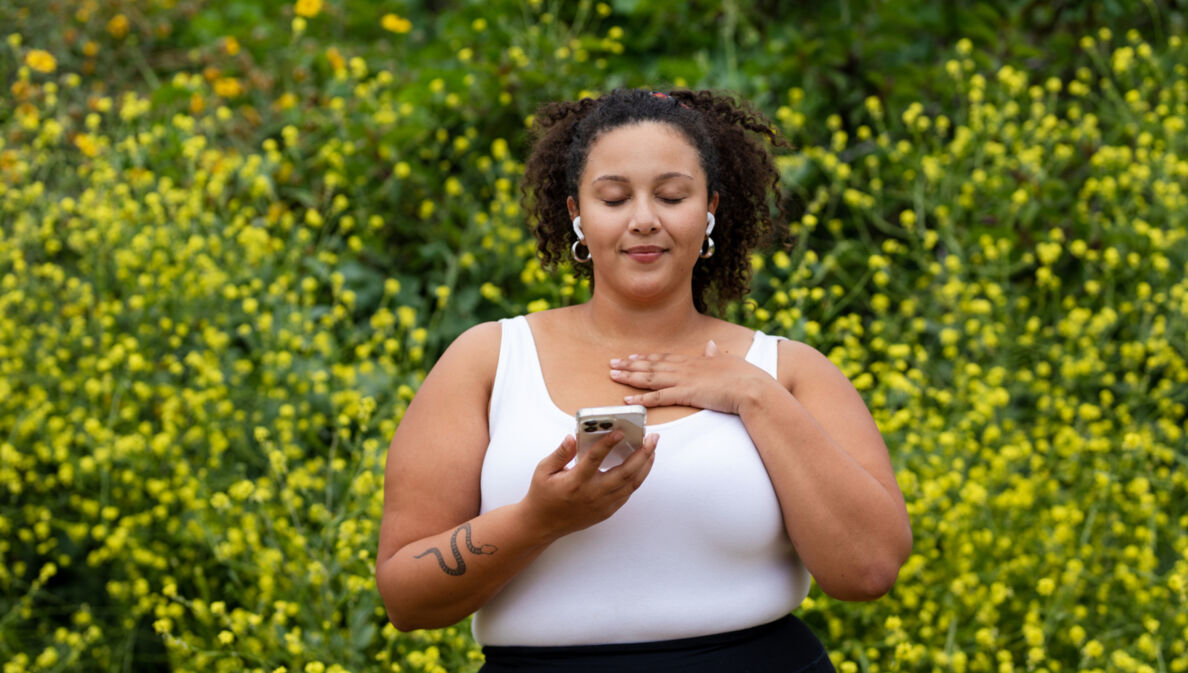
[{"x": 787, "y": 642}]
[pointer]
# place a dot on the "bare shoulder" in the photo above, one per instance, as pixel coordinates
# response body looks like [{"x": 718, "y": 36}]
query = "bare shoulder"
[
  {"x": 461, "y": 379},
  {"x": 803, "y": 367},
  {"x": 551, "y": 322},
  {"x": 475, "y": 350},
  {"x": 832, "y": 399}
]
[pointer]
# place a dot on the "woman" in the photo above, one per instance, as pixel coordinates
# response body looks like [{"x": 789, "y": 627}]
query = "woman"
[{"x": 762, "y": 464}]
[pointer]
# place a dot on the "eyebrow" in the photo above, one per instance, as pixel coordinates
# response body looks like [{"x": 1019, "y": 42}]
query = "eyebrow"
[{"x": 665, "y": 176}]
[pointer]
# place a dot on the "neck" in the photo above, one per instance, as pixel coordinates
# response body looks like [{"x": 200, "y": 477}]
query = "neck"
[{"x": 644, "y": 326}]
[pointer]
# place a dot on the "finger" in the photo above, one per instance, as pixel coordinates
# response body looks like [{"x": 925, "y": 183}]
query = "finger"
[
  {"x": 557, "y": 460},
  {"x": 639, "y": 478},
  {"x": 643, "y": 365},
  {"x": 640, "y": 457},
  {"x": 589, "y": 464},
  {"x": 632, "y": 472},
  {"x": 650, "y": 379},
  {"x": 655, "y": 398},
  {"x": 655, "y": 357}
]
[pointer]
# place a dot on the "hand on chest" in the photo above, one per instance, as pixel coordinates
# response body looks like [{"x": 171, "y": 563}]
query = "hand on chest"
[{"x": 582, "y": 377}]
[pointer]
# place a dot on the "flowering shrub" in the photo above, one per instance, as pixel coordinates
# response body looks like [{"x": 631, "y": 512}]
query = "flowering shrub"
[
  {"x": 1004, "y": 280},
  {"x": 220, "y": 290}
]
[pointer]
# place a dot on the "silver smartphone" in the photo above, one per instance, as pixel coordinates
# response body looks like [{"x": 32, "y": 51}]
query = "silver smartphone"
[{"x": 594, "y": 423}]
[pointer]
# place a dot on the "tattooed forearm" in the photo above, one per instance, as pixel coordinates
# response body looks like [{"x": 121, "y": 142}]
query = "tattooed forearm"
[{"x": 460, "y": 563}]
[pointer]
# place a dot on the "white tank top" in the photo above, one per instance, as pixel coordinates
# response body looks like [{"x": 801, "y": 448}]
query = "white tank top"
[{"x": 700, "y": 548}]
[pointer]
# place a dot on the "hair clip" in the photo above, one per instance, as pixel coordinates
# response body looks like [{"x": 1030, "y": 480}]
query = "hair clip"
[{"x": 661, "y": 94}]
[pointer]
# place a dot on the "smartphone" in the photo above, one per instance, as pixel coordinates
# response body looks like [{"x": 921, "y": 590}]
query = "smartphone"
[{"x": 594, "y": 423}]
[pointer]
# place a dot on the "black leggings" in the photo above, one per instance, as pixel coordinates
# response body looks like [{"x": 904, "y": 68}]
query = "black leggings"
[{"x": 783, "y": 646}]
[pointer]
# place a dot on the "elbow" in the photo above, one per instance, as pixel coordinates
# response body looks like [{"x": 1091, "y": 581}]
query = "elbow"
[
  {"x": 398, "y": 615},
  {"x": 401, "y": 616},
  {"x": 877, "y": 581},
  {"x": 870, "y": 580},
  {"x": 403, "y": 612},
  {"x": 401, "y": 623},
  {"x": 865, "y": 584},
  {"x": 406, "y": 622},
  {"x": 869, "y": 571},
  {"x": 397, "y": 611}
]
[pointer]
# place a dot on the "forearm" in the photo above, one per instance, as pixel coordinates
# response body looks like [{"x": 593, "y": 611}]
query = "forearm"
[
  {"x": 426, "y": 584},
  {"x": 850, "y": 530}
]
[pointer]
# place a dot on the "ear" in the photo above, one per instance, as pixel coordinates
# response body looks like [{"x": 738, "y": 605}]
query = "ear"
[
  {"x": 571, "y": 204},
  {"x": 713, "y": 204}
]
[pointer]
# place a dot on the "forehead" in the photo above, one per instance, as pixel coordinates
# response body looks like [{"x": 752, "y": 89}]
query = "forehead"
[{"x": 641, "y": 151}]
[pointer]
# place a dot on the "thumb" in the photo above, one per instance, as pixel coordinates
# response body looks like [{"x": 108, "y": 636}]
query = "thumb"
[
  {"x": 557, "y": 460},
  {"x": 711, "y": 348}
]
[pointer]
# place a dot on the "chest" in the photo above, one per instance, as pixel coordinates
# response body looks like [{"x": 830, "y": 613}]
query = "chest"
[{"x": 580, "y": 377}]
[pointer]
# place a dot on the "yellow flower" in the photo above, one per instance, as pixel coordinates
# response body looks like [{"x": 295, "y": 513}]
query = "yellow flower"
[
  {"x": 28, "y": 116},
  {"x": 308, "y": 8},
  {"x": 41, "y": 61},
  {"x": 407, "y": 316},
  {"x": 337, "y": 62},
  {"x": 86, "y": 144},
  {"x": 117, "y": 27},
  {"x": 396, "y": 23},
  {"x": 287, "y": 101},
  {"x": 228, "y": 87}
]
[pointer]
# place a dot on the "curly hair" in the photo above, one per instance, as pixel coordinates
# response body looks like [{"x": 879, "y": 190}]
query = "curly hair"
[{"x": 732, "y": 142}]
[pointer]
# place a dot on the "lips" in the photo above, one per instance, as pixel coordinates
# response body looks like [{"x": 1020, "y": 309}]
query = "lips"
[{"x": 644, "y": 253}]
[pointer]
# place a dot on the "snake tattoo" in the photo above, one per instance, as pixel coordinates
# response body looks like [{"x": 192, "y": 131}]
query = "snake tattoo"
[{"x": 485, "y": 549}]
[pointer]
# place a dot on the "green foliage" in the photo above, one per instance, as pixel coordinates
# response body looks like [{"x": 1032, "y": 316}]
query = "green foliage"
[{"x": 233, "y": 239}]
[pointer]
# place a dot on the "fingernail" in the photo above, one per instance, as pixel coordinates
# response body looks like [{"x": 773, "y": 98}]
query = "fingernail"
[
  {"x": 615, "y": 373},
  {"x": 630, "y": 399},
  {"x": 615, "y": 362},
  {"x": 633, "y": 356}
]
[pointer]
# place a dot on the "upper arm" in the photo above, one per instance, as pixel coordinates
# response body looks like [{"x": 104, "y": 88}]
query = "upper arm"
[
  {"x": 431, "y": 480},
  {"x": 825, "y": 392}
]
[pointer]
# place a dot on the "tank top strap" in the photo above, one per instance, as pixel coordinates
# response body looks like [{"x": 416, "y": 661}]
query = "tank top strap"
[
  {"x": 765, "y": 353},
  {"x": 518, "y": 379}
]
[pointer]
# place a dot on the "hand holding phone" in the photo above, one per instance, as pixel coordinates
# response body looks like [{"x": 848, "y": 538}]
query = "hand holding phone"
[{"x": 594, "y": 423}]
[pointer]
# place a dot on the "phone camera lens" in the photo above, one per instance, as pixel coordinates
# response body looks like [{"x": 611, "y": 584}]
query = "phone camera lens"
[
  {"x": 605, "y": 425},
  {"x": 590, "y": 426}
]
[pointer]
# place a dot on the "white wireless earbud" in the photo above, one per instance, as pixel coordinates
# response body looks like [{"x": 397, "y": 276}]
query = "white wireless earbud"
[
  {"x": 709, "y": 223},
  {"x": 577, "y": 227}
]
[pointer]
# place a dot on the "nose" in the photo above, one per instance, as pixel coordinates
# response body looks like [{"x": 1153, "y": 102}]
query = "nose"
[{"x": 643, "y": 220}]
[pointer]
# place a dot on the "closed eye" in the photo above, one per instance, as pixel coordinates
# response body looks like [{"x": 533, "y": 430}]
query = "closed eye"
[{"x": 619, "y": 202}]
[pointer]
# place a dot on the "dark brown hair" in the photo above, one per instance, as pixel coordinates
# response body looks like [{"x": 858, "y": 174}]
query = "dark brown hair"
[{"x": 731, "y": 140}]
